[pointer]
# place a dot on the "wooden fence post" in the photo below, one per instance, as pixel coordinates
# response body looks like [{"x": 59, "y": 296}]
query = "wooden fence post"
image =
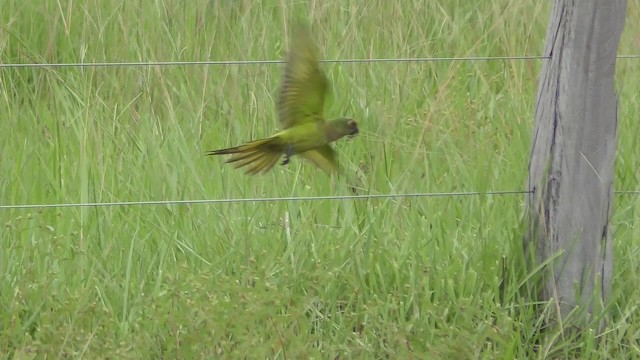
[{"x": 574, "y": 144}]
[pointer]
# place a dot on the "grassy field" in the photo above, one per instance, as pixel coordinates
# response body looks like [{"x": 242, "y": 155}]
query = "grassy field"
[{"x": 399, "y": 278}]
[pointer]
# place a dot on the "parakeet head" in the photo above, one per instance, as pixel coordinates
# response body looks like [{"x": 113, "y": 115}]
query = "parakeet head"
[{"x": 343, "y": 127}]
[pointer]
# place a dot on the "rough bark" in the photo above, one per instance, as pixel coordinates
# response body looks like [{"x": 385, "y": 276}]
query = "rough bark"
[{"x": 574, "y": 143}]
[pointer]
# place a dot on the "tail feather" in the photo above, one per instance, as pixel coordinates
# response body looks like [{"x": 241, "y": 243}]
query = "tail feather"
[
  {"x": 263, "y": 164},
  {"x": 259, "y": 155},
  {"x": 244, "y": 148},
  {"x": 240, "y": 160}
]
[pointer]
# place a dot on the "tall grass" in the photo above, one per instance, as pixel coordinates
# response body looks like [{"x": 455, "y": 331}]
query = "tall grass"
[{"x": 423, "y": 278}]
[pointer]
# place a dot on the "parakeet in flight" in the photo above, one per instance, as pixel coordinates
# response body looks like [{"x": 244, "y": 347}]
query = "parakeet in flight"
[{"x": 300, "y": 104}]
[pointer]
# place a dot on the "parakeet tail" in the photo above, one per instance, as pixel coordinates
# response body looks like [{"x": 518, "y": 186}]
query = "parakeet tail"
[{"x": 259, "y": 155}]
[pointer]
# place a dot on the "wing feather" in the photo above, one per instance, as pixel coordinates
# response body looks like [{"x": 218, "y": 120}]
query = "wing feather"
[
  {"x": 323, "y": 157},
  {"x": 305, "y": 86}
]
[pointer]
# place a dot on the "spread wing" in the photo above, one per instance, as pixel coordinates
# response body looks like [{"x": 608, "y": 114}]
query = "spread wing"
[
  {"x": 324, "y": 157},
  {"x": 304, "y": 87}
]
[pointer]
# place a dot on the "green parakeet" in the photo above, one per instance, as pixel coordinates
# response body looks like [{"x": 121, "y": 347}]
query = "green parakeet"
[{"x": 301, "y": 113}]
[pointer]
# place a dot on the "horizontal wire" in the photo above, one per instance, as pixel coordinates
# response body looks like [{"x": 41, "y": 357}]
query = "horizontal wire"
[
  {"x": 627, "y": 192},
  {"x": 280, "y": 199},
  {"x": 267, "y": 199},
  {"x": 267, "y": 62}
]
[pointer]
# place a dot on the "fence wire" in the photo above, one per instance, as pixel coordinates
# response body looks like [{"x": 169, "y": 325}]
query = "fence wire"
[
  {"x": 269, "y": 62},
  {"x": 265, "y": 199},
  {"x": 265, "y": 62},
  {"x": 280, "y": 199}
]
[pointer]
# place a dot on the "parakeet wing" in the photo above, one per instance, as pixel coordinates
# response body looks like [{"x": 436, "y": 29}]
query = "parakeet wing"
[
  {"x": 324, "y": 157},
  {"x": 305, "y": 86}
]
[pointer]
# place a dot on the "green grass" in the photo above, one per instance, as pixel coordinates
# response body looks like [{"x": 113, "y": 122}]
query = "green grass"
[{"x": 421, "y": 278}]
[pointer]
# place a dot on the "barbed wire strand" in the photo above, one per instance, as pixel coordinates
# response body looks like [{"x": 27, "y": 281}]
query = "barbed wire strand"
[
  {"x": 265, "y": 199},
  {"x": 268, "y": 62}
]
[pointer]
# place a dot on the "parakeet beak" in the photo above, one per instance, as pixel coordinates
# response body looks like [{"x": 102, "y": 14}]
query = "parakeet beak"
[{"x": 353, "y": 128}]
